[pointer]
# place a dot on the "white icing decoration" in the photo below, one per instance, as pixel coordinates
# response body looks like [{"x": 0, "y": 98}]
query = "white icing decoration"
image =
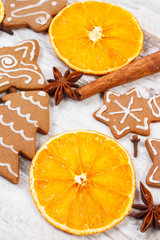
[
  {"x": 22, "y": 48},
  {"x": 4, "y": 83},
  {"x": 12, "y": 5},
  {"x": 18, "y": 110},
  {"x": 151, "y": 145},
  {"x": 42, "y": 93},
  {"x": 29, "y": 64},
  {"x": 119, "y": 132},
  {"x": 40, "y": 20},
  {"x": 132, "y": 91},
  {"x": 108, "y": 95},
  {"x": 151, "y": 177},
  {"x": 41, "y": 81},
  {"x": 7, "y": 146},
  {"x": 9, "y": 168},
  {"x": 145, "y": 127},
  {"x": 8, "y": 61},
  {"x": 99, "y": 113},
  {"x": 30, "y": 98},
  {"x": 32, "y": 53},
  {"x": 29, "y": 79},
  {"x": 9, "y": 19},
  {"x": 21, "y": 132},
  {"x": 155, "y": 104},
  {"x": 54, "y": 3},
  {"x": 127, "y": 111}
]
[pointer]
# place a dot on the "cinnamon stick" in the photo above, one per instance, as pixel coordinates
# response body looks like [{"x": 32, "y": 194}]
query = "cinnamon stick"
[{"x": 135, "y": 70}]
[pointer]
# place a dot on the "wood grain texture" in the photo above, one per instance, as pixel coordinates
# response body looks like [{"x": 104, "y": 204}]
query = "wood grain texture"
[{"x": 19, "y": 218}]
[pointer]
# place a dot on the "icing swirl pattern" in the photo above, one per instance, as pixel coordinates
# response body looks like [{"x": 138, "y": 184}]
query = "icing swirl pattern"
[
  {"x": 36, "y": 14},
  {"x": 19, "y": 67}
]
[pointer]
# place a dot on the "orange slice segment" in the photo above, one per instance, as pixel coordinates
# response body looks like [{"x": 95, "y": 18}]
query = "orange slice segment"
[
  {"x": 1, "y": 11},
  {"x": 82, "y": 182},
  {"x": 95, "y": 37}
]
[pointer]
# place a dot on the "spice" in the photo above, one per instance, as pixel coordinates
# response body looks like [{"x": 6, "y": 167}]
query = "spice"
[
  {"x": 5, "y": 29},
  {"x": 135, "y": 140},
  {"x": 149, "y": 211},
  {"x": 12, "y": 90},
  {"x": 62, "y": 85},
  {"x": 133, "y": 71}
]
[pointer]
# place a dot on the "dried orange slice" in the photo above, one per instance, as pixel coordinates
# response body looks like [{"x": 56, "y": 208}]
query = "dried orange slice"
[
  {"x": 95, "y": 37},
  {"x": 82, "y": 182},
  {"x": 1, "y": 11}
]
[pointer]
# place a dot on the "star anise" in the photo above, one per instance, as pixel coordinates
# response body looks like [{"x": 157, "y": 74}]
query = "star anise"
[
  {"x": 149, "y": 211},
  {"x": 62, "y": 85}
]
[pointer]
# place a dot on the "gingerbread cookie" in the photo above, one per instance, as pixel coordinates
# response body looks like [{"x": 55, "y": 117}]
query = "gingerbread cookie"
[
  {"x": 36, "y": 14},
  {"x": 153, "y": 176},
  {"x": 21, "y": 116},
  {"x": 18, "y": 67},
  {"x": 128, "y": 112}
]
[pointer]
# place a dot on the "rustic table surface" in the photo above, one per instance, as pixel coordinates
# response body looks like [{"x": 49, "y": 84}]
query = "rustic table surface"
[{"x": 19, "y": 218}]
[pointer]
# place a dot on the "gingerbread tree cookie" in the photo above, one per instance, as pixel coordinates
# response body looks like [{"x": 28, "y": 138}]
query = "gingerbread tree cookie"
[
  {"x": 36, "y": 14},
  {"x": 21, "y": 116},
  {"x": 153, "y": 176},
  {"x": 128, "y": 112},
  {"x": 18, "y": 67}
]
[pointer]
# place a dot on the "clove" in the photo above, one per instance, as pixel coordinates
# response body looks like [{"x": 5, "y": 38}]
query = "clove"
[{"x": 135, "y": 140}]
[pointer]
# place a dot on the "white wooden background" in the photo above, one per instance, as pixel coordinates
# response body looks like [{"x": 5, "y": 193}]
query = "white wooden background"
[{"x": 19, "y": 218}]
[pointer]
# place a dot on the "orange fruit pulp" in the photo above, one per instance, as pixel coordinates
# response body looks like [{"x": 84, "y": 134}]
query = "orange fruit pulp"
[
  {"x": 95, "y": 37},
  {"x": 1, "y": 11},
  {"x": 82, "y": 182}
]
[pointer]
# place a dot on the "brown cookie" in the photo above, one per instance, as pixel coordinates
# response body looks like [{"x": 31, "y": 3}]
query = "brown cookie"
[
  {"x": 128, "y": 112},
  {"x": 21, "y": 116},
  {"x": 153, "y": 148},
  {"x": 36, "y": 14},
  {"x": 18, "y": 67}
]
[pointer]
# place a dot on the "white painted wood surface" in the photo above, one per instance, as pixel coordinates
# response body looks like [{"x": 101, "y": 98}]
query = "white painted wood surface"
[{"x": 19, "y": 218}]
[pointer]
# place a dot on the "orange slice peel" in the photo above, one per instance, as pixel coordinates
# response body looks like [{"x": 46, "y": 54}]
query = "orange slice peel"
[
  {"x": 1, "y": 11},
  {"x": 82, "y": 182},
  {"x": 95, "y": 37}
]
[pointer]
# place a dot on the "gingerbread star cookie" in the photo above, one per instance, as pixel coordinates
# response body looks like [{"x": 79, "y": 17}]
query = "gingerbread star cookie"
[
  {"x": 21, "y": 116},
  {"x": 36, "y": 14},
  {"x": 18, "y": 67},
  {"x": 153, "y": 176},
  {"x": 128, "y": 112}
]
